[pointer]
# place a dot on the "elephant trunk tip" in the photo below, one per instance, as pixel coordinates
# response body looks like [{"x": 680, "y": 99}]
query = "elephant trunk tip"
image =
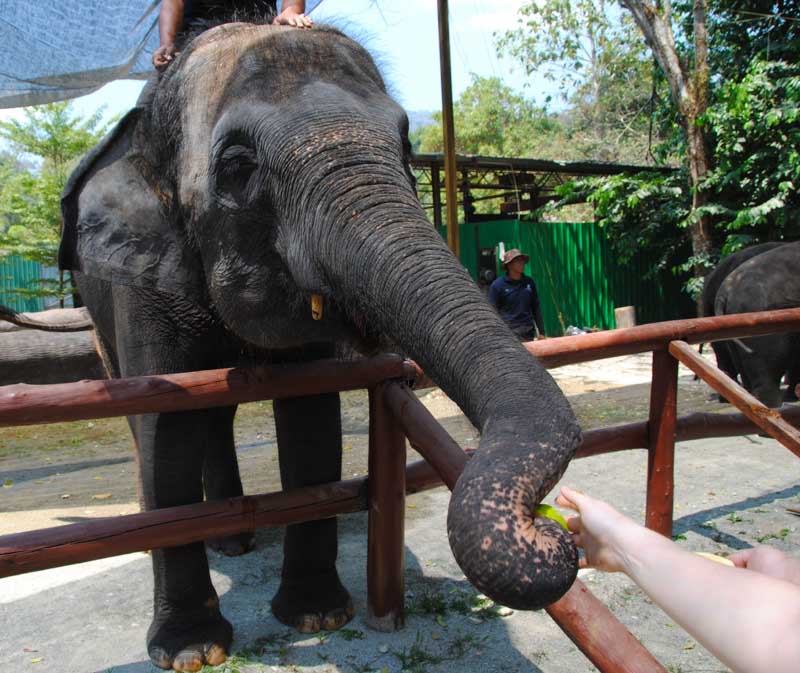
[{"x": 512, "y": 555}]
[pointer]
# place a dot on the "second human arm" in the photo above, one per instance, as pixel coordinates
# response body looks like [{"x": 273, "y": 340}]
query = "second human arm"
[{"x": 748, "y": 620}]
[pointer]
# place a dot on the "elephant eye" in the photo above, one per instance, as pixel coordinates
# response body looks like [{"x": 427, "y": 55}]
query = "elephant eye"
[{"x": 232, "y": 173}]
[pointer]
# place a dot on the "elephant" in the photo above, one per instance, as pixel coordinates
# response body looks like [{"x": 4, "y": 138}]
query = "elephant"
[
  {"x": 713, "y": 280},
  {"x": 766, "y": 282},
  {"x": 201, "y": 230}
]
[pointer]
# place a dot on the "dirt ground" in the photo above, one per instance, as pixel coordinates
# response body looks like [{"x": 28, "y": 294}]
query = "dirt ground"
[{"x": 730, "y": 493}]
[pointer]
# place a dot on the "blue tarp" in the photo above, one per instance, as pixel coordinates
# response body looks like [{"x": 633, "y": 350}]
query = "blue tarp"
[{"x": 57, "y": 49}]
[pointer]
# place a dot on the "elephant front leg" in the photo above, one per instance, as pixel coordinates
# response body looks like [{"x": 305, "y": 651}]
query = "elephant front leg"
[
  {"x": 221, "y": 479},
  {"x": 188, "y": 629},
  {"x": 311, "y": 596}
]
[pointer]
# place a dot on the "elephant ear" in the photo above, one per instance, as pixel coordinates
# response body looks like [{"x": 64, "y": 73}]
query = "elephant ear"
[{"x": 117, "y": 224}]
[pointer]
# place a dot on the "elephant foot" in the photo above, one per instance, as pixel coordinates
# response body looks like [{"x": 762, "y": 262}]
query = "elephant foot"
[
  {"x": 233, "y": 545},
  {"x": 187, "y": 643},
  {"x": 313, "y": 604}
]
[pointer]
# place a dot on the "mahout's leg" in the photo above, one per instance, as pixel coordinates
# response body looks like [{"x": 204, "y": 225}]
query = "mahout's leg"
[
  {"x": 221, "y": 479},
  {"x": 311, "y": 596}
]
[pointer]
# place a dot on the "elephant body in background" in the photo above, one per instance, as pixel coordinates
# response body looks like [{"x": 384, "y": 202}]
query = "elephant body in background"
[
  {"x": 722, "y": 349},
  {"x": 768, "y": 281},
  {"x": 269, "y": 166}
]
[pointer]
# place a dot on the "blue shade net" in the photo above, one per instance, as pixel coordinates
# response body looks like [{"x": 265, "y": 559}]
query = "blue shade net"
[{"x": 57, "y": 49}]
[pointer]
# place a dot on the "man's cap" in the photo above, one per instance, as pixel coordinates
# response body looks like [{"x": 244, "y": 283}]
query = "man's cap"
[{"x": 512, "y": 254}]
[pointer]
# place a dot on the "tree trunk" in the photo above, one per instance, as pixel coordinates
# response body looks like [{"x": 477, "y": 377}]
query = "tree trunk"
[{"x": 690, "y": 92}]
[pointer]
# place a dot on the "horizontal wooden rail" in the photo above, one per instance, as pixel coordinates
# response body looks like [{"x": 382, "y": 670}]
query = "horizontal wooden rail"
[
  {"x": 100, "y": 538},
  {"x": 23, "y": 404},
  {"x": 767, "y": 419},
  {"x": 560, "y": 351}
]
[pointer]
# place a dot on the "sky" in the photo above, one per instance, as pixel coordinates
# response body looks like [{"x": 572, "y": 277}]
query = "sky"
[{"x": 403, "y": 34}]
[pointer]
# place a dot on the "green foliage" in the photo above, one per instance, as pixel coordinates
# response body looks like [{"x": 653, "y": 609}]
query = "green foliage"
[
  {"x": 52, "y": 138},
  {"x": 603, "y": 68},
  {"x": 638, "y": 212},
  {"x": 757, "y": 175},
  {"x": 492, "y": 120}
]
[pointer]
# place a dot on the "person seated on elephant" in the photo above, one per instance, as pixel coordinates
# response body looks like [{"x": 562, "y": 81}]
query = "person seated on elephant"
[
  {"x": 180, "y": 17},
  {"x": 747, "y": 616},
  {"x": 515, "y": 297}
]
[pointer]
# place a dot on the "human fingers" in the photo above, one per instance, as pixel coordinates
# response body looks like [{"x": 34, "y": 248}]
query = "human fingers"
[{"x": 741, "y": 558}]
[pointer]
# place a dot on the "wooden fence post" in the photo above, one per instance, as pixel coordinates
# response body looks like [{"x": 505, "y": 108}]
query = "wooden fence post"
[
  {"x": 661, "y": 442},
  {"x": 386, "y": 502}
]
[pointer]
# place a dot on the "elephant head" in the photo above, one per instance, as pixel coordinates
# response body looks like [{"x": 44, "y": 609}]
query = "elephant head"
[{"x": 271, "y": 166}]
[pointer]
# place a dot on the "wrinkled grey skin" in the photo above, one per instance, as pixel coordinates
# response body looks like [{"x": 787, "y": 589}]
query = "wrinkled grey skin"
[
  {"x": 199, "y": 231},
  {"x": 766, "y": 282},
  {"x": 711, "y": 286}
]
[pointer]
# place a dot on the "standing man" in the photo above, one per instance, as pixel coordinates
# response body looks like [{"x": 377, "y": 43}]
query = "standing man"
[
  {"x": 177, "y": 16},
  {"x": 515, "y": 297}
]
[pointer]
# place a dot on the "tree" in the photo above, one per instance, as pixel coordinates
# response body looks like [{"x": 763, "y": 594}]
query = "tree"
[
  {"x": 52, "y": 138},
  {"x": 689, "y": 84},
  {"x": 595, "y": 53},
  {"x": 492, "y": 120},
  {"x": 754, "y": 186}
]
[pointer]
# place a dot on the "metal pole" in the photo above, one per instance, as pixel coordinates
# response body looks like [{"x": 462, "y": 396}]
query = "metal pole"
[{"x": 447, "y": 128}]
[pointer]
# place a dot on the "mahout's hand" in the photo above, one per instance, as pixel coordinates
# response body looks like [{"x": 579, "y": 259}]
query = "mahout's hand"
[
  {"x": 164, "y": 55},
  {"x": 290, "y": 17}
]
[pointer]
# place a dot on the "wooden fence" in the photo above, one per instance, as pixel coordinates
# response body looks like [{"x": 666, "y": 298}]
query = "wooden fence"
[{"x": 397, "y": 414}]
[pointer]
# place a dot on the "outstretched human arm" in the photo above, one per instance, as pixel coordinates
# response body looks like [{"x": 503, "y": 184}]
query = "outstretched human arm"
[
  {"x": 293, "y": 14},
  {"x": 170, "y": 20},
  {"x": 748, "y": 620}
]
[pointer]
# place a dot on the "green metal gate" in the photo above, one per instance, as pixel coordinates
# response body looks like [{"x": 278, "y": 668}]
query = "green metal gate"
[
  {"x": 579, "y": 279},
  {"x": 18, "y": 273}
]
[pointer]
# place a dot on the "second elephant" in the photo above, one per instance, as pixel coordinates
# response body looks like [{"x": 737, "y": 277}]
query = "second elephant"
[{"x": 767, "y": 282}]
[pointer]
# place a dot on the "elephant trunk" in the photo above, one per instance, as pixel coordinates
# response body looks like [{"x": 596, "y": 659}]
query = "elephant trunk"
[{"x": 383, "y": 260}]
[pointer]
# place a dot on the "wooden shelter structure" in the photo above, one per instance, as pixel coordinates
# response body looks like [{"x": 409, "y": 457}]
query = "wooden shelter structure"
[
  {"x": 521, "y": 184},
  {"x": 397, "y": 414}
]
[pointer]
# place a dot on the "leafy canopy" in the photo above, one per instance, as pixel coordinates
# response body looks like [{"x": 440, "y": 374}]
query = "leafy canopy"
[{"x": 45, "y": 147}]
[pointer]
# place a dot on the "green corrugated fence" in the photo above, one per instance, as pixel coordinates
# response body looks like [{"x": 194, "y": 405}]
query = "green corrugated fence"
[
  {"x": 579, "y": 279},
  {"x": 16, "y": 272}
]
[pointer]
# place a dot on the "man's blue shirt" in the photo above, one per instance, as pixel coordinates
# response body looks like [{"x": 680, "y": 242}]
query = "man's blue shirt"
[{"x": 517, "y": 301}]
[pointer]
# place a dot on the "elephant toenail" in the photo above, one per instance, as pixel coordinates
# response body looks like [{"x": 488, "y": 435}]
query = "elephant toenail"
[
  {"x": 215, "y": 655},
  {"x": 160, "y": 659},
  {"x": 189, "y": 663},
  {"x": 308, "y": 624}
]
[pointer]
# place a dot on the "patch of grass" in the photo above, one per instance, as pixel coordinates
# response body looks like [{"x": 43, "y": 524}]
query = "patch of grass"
[
  {"x": 734, "y": 517},
  {"x": 679, "y": 536},
  {"x": 782, "y": 534},
  {"x": 350, "y": 634},
  {"x": 429, "y": 603},
  {"x": 416, "y": 659}
]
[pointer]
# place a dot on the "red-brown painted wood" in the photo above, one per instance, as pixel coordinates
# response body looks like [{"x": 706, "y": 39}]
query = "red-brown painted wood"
[
  {"x": 387, "y": 505},
  {"x": 559, "y": 351},
  {"x": 29, "y": 405},
  {"x": 112, "y": 536},
  {"x": 599, "y": 635},
  {"x": 661, "y": 431},
  {"x": 769, "y": 420},
  {"x": 425, "y": 434}
]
